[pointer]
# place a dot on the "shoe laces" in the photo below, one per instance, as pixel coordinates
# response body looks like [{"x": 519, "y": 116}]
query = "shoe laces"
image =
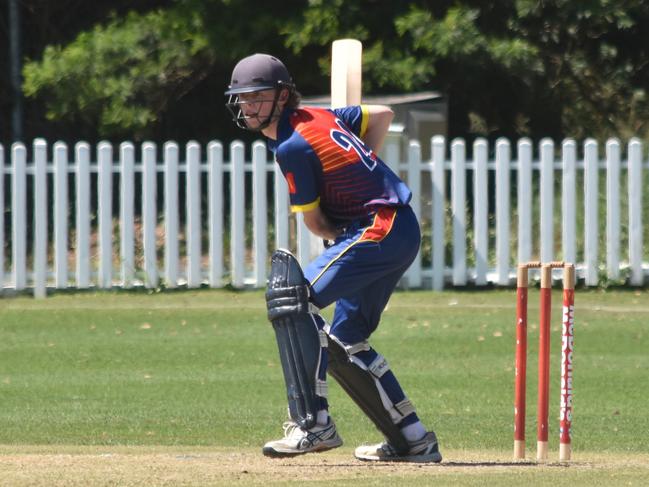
[
  {"x": 388, "y": 449},
  {"x": 292, "y": 429}
]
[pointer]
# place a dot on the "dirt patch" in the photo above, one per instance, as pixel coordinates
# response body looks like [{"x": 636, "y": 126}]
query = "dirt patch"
[{"x": 122, "y": 466}]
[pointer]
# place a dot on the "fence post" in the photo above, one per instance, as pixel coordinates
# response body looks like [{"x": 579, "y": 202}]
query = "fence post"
[
  {"x": 502, "y": 211},
  {"x": 105, "y": 211},
  {"x": 458, "y": 209},
  {"x": 414, "y": 182},
  {"x": 238, "y": 214},
  {"x": 126, "y": 213},
  {"x": 391, "y": 151},
  {"x": 303, "y": 241},
  {"x": 215, "y": 174},
  {"x": 480, "y": 210},
  {"x": 171, "y": 210},
  {"x": 635, "y": 211},
  {"x": 524, "y": 200},
  {"x": 547, "y": 200},
  {"x": 40, "y": 218},
  {"x": 438, "y": 146},
  {"x": 591, "y": 193},
  {"x": 60, "y": 215},
  {"x": 194, "y": 253},
  {"x": 82, "y": 160},
  {"x": 19, "y": 215},
  {"x": 260, "y": 209},
  {"x": 2, "y": 218},
  {"x": 613, "y": 208},
  {"x": 281, "y": 210},
  {"x": 149, "y": 215},
  {"x": 568, "y": 201}
]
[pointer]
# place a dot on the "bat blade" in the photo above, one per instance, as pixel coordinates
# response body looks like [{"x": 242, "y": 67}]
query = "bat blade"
[{"x": 346, "y": 69}]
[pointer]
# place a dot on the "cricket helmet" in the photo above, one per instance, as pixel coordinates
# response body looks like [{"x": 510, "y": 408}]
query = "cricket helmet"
[{"x": 258, "y": 72}]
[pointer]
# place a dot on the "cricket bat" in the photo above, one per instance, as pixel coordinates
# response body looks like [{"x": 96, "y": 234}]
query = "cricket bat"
[{"x": 346, "y": 72}]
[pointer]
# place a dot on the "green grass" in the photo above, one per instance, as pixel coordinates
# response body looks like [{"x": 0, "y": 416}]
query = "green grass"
[{"x": 200, "y": 369}]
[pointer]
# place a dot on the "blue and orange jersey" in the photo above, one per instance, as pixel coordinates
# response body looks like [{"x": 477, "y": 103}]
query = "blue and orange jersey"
[{"x": 326, "y": 164}]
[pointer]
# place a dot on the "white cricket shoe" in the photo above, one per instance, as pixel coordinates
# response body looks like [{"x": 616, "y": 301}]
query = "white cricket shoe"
[
  {"x": 421, "y": 451},
  {"x": 298, "y": 441}
]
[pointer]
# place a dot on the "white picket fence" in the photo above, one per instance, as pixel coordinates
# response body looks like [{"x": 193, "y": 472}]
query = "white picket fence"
[{"x": 97, "y": 248}]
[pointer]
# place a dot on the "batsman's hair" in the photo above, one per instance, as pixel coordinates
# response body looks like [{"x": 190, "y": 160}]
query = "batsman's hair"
[{"x": 294, "y": 99}]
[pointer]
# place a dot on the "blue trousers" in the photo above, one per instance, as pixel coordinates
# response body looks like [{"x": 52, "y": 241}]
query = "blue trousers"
[
  {"x": 361, "y": 269},
  {"x": 359, "y": 273}
]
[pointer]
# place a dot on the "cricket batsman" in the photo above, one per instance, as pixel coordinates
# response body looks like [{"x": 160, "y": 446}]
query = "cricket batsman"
[{"x": 352, "y": 200}]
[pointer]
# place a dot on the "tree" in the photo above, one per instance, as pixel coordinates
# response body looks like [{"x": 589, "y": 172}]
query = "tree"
[
  {"x": 157, "y": 74},
  {"x": 49, "y": 22},
  {"x": 121, "y": 76},
  {"x": 510, "y": 67},
  {"x": 517, "y": 67}
]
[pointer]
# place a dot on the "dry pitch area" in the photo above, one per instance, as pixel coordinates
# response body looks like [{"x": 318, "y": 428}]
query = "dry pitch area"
[{"x": 171, "y": 466}]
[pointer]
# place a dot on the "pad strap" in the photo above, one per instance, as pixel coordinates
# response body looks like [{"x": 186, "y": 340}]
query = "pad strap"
[
  {"x": 379, "y": 367},
  {"x": 404, "y": 407}
]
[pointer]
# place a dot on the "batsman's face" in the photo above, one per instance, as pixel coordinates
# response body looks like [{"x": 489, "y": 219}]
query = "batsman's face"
[{"x": 256, "y": 106}]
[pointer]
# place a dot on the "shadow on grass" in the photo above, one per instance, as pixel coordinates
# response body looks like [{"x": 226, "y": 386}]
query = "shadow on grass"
[{"x": 453, "y": 464}]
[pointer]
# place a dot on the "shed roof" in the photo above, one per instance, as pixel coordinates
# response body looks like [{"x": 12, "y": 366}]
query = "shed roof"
[{"x": 395, "y": 99}]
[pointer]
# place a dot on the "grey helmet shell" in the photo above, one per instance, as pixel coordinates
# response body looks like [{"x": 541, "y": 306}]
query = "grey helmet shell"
[{"x": 258, "y": 72}]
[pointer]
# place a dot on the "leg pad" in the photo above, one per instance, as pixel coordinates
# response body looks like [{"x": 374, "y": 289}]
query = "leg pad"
[
  {"x": 297, "y": 336},
  {"x": 361, "y": 386}
]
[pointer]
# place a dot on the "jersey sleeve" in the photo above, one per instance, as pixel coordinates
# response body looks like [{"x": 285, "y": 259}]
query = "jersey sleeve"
[
  {"x": 355, "y": 117},
  {"x": 299, "y": 171}
]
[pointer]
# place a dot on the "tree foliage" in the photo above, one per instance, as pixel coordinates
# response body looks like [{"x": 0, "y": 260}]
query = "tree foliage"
[
  {"x": 122, "y": 76},
  {"x": 158, "y": 74},
  {"x": 510, "y": 67},
  {"x": 520, "y": 67}
]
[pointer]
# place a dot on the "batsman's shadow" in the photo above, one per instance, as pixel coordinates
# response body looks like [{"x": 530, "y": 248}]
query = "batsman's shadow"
[
  {"x": 444, "y": 464},
  {"x": 488, "y": 464}
]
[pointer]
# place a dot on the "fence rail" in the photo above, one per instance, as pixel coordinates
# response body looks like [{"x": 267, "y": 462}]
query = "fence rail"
[{"x": 61, "y": 227}]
